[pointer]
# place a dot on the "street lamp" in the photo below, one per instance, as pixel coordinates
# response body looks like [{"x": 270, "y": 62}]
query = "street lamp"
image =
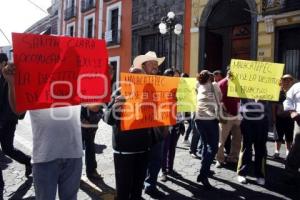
[{"x": 168, "y": 25}]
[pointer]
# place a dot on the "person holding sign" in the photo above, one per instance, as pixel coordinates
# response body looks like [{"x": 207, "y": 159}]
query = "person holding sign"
[
  {"x": 254, "y": 129},
  {"x": 208, "y": 95},
  {"x": 8, "y": 122},
  {"x": 57, "y": 147},
  {"x": 230, "y": 105},
  {"x": 170, "y": 142},
  {"x": 132, "y": 147}
]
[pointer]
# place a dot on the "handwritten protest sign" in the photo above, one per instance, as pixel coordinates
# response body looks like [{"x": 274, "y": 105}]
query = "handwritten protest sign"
[
  {"x": 255, "y": 80},
  {"x": 150, "y": 101},
  {"x": 186, "y": 95},
  {"x": 59, "y": 71}
]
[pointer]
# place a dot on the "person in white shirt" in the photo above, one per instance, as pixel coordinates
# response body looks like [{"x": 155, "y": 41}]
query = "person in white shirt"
[
  {"x": 57, "y": 147},
  {"x": 292, "y": 104}
]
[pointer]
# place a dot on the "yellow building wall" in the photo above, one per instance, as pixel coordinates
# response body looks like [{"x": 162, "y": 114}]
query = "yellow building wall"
[{"x": 266, "y": 39}]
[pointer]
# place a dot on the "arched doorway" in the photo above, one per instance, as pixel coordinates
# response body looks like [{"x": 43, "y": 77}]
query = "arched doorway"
[{"x": 228, "y": 29}]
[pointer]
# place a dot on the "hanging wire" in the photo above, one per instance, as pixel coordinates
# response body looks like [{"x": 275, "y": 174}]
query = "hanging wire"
[
  {"x": 37, "y": 6},
  {"x": 5, "y": 36}
]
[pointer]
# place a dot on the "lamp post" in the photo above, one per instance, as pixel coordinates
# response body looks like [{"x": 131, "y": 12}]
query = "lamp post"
[{"x": 169, "y": 24}]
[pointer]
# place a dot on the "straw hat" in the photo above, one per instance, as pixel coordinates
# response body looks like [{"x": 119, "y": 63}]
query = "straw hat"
[
  {"x": 150, "y": 56},
  {"x": 287, "y": 76}
]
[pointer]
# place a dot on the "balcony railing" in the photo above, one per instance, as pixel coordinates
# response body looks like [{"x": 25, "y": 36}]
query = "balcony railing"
[
  {"x": 112, "y": 37},
  {"x": 279, "y": 6},
  {"x": 87, "y": 5},
  {"x": 70, "y": 12}
]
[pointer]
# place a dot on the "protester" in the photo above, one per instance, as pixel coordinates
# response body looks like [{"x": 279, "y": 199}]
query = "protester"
[
  {"x": 57, "y": 147},
  {"x": 292, "y": 104},
  {"x": 218, "y": 75},
  {"x": 206, "y": 123},
  {"x": 150, "y": 64},
  {"x": 282, "y": 119},
  {"x": 188, "y": 120},
  {"x": 90, "y": 116},
  {"x": 8, "y": 123},
  {"x": 132, "y": 148},
  {"x": 254, "y": 129},
  {"x": 170, "y": 142},
  {"x": 230, "y": 111},
  {"x": 177, "y": 73}
]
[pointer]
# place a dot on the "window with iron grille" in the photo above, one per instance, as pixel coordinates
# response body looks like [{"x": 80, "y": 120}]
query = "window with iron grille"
[
  {"x": 115, "y": 24},
  {"x": 90, "y": 28},
  {"x": 71, "y": 31}
]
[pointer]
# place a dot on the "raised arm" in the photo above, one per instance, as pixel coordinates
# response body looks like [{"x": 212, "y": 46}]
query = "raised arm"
[{"x": 8, "y": 73}]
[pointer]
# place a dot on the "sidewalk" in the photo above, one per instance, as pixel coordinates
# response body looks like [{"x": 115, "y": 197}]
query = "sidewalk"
[{"x": 185, "y": 187}]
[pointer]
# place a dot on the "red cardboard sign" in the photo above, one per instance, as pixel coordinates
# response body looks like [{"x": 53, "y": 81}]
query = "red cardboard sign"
[{"x": 54, "y": 71}]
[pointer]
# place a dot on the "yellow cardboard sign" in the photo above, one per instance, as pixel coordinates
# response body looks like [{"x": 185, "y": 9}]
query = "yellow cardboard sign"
[
  {"x": 255, "y": 80},
  {"x": 186, "y": 95}
]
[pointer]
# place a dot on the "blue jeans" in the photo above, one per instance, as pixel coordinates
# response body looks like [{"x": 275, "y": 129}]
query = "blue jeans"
[
  {"x": 209, "y": 130},
  {"x": 154, "y": 165},
  {"x": 62, "y": 173}
]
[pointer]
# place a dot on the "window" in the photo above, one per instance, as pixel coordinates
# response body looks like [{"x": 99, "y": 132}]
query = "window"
[
  {"x": 70, "y": 3},
  {"x": 90, "y": 28},
  {"x": 89, "y": 22},
  {"x": 113, "y": 23},
  {"x": 71, "y": 29},
  {"x": 114, "y": 71}
]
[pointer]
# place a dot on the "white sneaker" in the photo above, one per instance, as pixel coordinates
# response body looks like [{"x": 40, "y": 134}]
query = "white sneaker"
[
  {"x": 242, "y": 179},
  {"x": 260, "y": 181}
]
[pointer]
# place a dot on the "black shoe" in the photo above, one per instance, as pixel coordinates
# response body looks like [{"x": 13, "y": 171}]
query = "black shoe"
[
  {"x": 93, "y": 175},
  {"x": 155, "y": 193},
  {"x": 28, "y": 170},
  {"x": 163, "y": 177},
  {"x": 205, "y": 182}
]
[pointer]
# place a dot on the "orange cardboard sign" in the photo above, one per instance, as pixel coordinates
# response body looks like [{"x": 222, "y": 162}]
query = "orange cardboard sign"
[
  {"x": 150, "y": 101},
  {"x": 59, "y": 71}
]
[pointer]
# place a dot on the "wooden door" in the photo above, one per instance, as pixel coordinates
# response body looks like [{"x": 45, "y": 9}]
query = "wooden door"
[
  {"x": 241, "y": 42},
  {"x": 214, "y": 51}
]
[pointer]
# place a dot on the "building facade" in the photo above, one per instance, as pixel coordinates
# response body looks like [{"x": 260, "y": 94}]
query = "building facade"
[
  {"x": 101, "y": 19},
  {"x": 244, "y": 29},
  {"x": 146, "y": 17}
]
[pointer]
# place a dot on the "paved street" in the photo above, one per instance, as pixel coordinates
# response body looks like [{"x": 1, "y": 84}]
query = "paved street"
[{"x": 185, "y": 187}]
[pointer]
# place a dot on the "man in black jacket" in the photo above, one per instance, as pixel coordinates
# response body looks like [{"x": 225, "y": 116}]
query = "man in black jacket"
[
  {"x": 132, "y": 148},
  {"x": 8, "y": 122}
]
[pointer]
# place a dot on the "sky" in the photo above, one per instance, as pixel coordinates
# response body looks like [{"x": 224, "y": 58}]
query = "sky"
[{"x": 18, "y": 15}]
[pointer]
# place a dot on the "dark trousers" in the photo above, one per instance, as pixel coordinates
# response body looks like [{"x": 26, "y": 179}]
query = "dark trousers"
[
  {"x": 130, "y": 173},
  {"x": 209, "y": 130},
  {"x": 253, "y": 132},
  {"x": 196, "y": 138},
  {"x": 189, "y": 129},
  {"x": 88, "y": 138},
  {"x": 169, "y": 151},
  {"x": 154, "y": 166},
  {"x": 7, "y": 135},
  {"x": 293, "y": 159}
]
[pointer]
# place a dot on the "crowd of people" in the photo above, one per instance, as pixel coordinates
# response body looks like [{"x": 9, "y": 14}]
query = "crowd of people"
[{"x": 223, "y": 129}]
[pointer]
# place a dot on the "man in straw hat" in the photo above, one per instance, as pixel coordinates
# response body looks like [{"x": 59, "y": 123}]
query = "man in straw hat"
[
  {"x": 133, "y": 148},
  {"x": 149, "y": 63}
]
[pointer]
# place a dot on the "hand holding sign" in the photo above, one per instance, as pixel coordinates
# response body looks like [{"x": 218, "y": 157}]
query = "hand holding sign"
[
  {"x": 59, "y": 71},
  {"x": 255, "y": 80},
  {"x": 8, "y": 72}
]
